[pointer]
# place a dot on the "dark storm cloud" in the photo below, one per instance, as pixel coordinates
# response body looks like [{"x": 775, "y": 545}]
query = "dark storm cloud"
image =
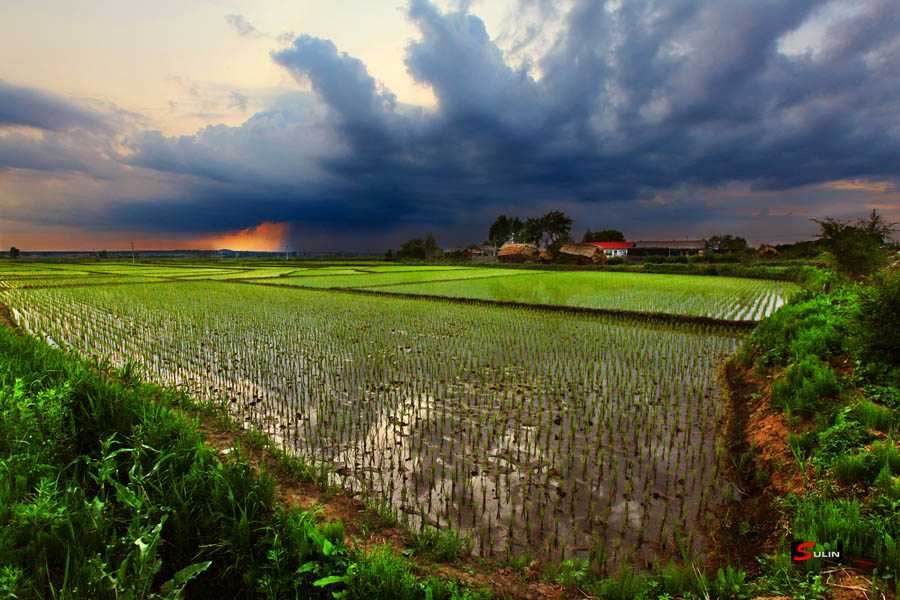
[
  {"x": 629, "y": 102},
  {"x": 364, "y": 114},
  {"x": 21, "y": 152},
  {"x": 24, "y": 106}
]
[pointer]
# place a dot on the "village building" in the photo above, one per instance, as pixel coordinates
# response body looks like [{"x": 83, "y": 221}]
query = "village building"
[
  {"x": 611, "y": 249},
  {"x": 518, "y": 253},
  {"x": 669, "y": 248},
  {"x": 582, "y": 254}
]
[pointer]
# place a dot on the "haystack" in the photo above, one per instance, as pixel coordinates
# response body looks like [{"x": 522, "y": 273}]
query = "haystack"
[
  {"x": 518, "y": 253},
  {"x": 581, "y": 254},
  {"x": 546, "y": 256}
]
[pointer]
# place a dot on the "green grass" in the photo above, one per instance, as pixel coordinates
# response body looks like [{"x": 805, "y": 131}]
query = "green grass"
[
  {"x": 244, "y": 273},
  {"x": 441, "y": 545},
  {"x": 851, "y": 442}
]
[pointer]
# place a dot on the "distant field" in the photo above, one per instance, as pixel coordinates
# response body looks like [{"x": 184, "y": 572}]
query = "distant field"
[
  {"x": 717, "y": 297},
  {"x": 359, "y": 280},
  {"x": 73, "y": 280},
  {"x": 242, "y": 273},
  {"x": 693, "y": 295}
]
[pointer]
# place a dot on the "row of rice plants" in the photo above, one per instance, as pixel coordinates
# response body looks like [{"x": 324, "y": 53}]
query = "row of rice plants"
[
  {"x": 364, "y": 280},
  {"x": 568, "y": 435},
  {"x": 719, "y": 297}
]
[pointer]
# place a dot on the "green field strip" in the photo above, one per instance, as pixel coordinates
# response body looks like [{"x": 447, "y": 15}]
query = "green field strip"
[
  {"x": 724, "y": 298},
  {"x": 363, "y": 280}
]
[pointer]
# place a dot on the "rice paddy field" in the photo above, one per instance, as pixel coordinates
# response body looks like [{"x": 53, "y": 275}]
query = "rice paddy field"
[
  {"x": 561, "y": 434},
  {"x": 729, "y": 298},
  {"x": 724, "y": 298}
]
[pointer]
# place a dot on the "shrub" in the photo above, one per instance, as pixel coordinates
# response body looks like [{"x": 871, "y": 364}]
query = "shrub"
[
  {"x": 887, "y": 395},
  {"x": 854, "y": 468},
  {"x": 874, "y": 416},
  {"x": 876, "y": 323},
  {"x": 804, "y": 386},
  {"x": 841, "y": 438},
  {"x": 886, "y": 455},
  {"x": 806, "y": 326},
  {"x": 442, "y": 545}
]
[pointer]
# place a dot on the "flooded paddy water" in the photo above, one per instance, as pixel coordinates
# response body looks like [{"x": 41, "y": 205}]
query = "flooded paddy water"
[{"x": 559, "y": 435}]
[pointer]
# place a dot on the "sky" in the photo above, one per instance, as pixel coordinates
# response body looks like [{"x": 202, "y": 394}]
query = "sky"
[{"x": 356, "y": 124}]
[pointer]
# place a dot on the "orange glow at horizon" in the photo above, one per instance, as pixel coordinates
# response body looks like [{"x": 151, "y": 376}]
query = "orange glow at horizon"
[
  {"x": 265, "y": 237},
  {"x": 861, "y": 184}
]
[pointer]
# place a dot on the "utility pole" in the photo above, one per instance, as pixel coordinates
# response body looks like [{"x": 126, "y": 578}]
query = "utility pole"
[{"x": 132, "y": 251}]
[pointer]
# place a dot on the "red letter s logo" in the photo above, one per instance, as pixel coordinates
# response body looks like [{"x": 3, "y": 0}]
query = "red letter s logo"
[{"x": 800, "y": 549}]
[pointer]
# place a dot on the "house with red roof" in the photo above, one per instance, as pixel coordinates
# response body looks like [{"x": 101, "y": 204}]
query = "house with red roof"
[{"x": 613, "y": 248}]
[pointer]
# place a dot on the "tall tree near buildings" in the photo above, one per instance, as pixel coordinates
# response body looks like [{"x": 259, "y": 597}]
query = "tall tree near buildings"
[
  {"x": 607, "y": 235},
  {"x": 551, "y": 230},
  {"x": 505, "y": 229}
]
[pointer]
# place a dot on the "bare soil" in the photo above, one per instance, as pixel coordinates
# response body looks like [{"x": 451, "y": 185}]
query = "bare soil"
[{"x": 752, "y": 526}]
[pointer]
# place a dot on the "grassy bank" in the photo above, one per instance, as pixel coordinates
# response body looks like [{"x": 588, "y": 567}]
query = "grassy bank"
[
  {"x": 107, "y": 492},
  {"x": 825, "y": 371}
]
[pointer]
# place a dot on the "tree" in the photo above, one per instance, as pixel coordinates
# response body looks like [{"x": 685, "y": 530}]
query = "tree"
[
  {"x": 875, "y": 326},
  {"x": 607, "y": 235},
  {"x": 727, "y": 243},
  {"x": 505, "y": 229},
  {"x": 533, "y": 231},
  {"x": 551, "y": 230},
  {"x": 14, "y": 252},
  {"x": 558, "y": 226},
  {"x": 419, "y": 248},
  {"x": 801, "y": 249},
  {"x": 517, "y": 228},
  {"x": 858, "y": 249},
  {"x": 389, "y": 254},
  {"x": 412, "y": 248}
]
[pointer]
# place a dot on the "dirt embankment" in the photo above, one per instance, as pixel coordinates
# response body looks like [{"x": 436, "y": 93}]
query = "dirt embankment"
[
  {"x": 767, "y": 471},
  {"x": 761, "y": 465}
]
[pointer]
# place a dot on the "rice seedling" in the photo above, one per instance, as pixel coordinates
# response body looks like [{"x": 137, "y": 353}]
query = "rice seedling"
[
  {"x": 719, "y": 297},
  {"x": 567, "y": 435}
]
